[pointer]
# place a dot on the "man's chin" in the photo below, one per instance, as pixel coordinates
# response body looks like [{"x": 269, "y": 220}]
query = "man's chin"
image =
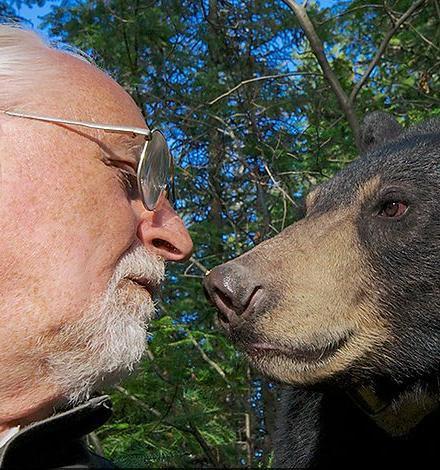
[{"x": 104, "y": 346}]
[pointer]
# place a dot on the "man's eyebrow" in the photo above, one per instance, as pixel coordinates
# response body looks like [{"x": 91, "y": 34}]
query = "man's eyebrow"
[{"x": 125, "y": 151}]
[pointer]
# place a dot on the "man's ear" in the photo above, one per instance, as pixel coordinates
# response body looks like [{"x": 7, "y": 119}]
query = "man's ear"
[{"x": 378, "y": 128}]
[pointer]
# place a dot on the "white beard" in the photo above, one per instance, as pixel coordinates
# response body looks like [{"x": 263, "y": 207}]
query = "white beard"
[{"x": 110, "y": 337}]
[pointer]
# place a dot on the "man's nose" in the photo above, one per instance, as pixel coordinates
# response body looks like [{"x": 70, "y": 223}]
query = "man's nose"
[
  {"x": 235, "y": 292},
  {"x": 163, "y": 233}
]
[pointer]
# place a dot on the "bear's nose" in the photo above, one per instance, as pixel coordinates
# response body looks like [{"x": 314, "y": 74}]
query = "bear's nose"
[{"x": 233, "y": 290}]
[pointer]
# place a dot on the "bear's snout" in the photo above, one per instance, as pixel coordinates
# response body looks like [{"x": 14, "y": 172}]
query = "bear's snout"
[{"x": 236, "y": 293}]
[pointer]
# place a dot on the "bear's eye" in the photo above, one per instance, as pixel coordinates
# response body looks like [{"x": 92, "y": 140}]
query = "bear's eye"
[{"x": 393, "y": 209}]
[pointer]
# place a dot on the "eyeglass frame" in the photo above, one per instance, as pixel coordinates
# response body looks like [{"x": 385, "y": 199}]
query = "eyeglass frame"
[{"x": 147, "y": 133}]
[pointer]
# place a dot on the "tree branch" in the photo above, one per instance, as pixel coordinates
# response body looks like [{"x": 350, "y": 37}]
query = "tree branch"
[
  {"x": 256, "y": 79},
  {"x": 247, "y": 423},
  {"x": 201, "y": 440},
  {"x": 278, "y": 186},
  {"x": 318, "y": 51},
  {"x": 139, "y": 402},
  {"x": 197, "y": 263},
  {"x": 205, "y": 357},
  {"x": 382, "y": 48},
  {"x": 424, "y": 38}
]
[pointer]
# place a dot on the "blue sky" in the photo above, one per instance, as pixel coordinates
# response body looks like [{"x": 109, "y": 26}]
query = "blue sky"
[{"x": 33, "y": 14}]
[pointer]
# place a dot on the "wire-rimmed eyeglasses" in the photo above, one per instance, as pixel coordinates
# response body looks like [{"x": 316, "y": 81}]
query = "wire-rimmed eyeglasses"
[{"x": 155, "y": 171}]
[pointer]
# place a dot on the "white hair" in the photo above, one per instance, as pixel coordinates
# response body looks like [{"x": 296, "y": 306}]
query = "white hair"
[{"x": 24, "y": 55}]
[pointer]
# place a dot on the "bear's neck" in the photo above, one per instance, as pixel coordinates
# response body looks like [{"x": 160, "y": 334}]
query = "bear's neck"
[{"x": 396, "y": 413}]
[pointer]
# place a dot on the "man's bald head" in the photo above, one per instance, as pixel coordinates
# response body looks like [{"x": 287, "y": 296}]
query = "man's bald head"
[
  {"x": 36, "y": 75},
  {"x": 25, "y": 60}
]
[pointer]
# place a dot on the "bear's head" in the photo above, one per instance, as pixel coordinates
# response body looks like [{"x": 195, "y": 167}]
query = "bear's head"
[{"x": 352, "y": 290}]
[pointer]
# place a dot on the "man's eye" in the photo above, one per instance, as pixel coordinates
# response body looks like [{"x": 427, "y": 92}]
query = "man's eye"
[{"x": 129, "y": 184}]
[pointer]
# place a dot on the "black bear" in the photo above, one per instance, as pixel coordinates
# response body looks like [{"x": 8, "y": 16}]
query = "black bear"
[{"x": 344, "y": 307}]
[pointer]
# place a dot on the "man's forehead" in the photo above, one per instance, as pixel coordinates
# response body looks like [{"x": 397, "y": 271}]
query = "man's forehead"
[
  {"x": 88, "y": 94},
  {"x": 78, "y": 91}
]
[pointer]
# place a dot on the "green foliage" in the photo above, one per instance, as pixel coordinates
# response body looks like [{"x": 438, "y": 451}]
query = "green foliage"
[{"x": 245, "y": 161}]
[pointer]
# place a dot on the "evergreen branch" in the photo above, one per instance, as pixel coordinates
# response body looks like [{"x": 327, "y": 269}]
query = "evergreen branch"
[
  {"x": 191, "y": 428},
  {"x": 200, "y": 439}
]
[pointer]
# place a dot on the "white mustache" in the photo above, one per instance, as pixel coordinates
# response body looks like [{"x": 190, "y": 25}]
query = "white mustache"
[{"x": 138, "y": 262}]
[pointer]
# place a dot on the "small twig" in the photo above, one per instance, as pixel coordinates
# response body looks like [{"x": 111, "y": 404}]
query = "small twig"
[
  {"x": 273, "y": 228},
  {"x": 275, "y": 182},
  {"x": 256, "y": 79},
  {"x": 424, "y": 38},
  {"x": 437, "y": 7},
  {"x": 390, "y": 13},
  {"x": 139, "y": 402},
  {"x": 283, "y": 224},
  {"x": 213, "y": 364},
  {"x": 197, "y": 263},
  {"x": 193, "y": 276},
  {"x": 247, "y": 423}
]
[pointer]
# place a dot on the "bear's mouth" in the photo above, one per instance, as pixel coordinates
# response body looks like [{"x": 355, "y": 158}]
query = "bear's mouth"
[{"x": 301, "y": 354}]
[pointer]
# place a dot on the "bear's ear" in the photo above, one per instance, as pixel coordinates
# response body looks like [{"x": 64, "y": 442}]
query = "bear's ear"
[{"x": 376, "y": 129}]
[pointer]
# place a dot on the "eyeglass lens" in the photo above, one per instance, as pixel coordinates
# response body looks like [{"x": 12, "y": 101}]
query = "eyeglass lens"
[{"x": 154, "y": 170}]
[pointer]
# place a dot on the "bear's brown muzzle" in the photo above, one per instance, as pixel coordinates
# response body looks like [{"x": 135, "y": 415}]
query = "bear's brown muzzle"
[{"x": 302, "y": 305}]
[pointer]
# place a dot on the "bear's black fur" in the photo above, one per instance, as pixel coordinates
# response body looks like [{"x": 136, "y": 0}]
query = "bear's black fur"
[
  {"x": 327, "y": 425},
  {"x": 327, "y": 429}
]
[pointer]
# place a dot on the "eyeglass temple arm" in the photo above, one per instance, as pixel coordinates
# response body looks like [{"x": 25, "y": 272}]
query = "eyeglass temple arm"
[{"x": 91, "y": 125}]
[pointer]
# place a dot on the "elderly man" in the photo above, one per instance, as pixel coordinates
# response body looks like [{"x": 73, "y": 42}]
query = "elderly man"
[{"x": 85, "y": 228}]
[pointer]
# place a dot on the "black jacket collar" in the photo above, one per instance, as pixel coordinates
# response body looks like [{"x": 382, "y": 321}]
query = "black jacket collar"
[{"x": 58, "y": 441}]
